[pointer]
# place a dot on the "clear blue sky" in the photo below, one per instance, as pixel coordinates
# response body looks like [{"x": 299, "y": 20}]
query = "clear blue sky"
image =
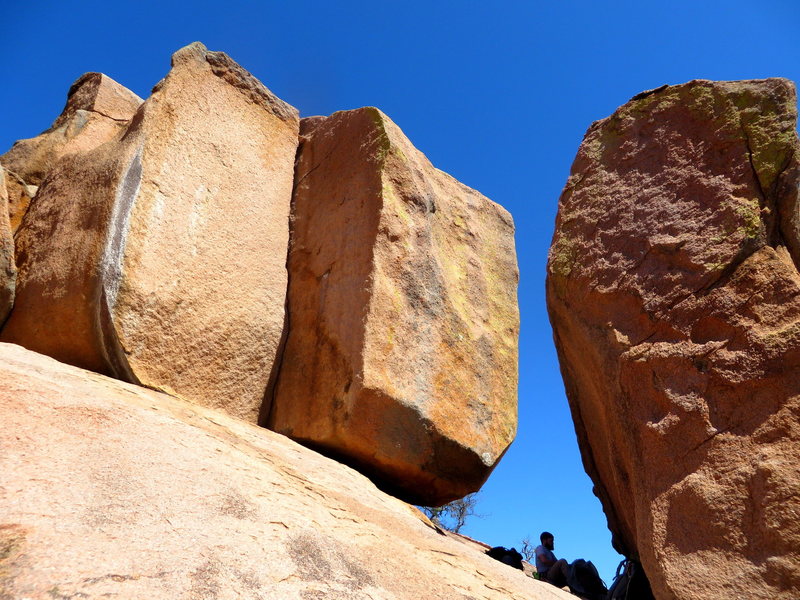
[{"x": 497, "y": 94}]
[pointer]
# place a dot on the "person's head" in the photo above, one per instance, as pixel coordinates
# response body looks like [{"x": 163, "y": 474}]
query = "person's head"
[{"x": 547, "y": 540}]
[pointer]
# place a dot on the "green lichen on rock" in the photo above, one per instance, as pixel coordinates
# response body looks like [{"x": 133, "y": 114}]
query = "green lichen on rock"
[
  {"x": 749, "y": 211},
  {"x": 379, "y": 119},
  {"x": 563, "y": 255},
  {"x": 768, "y": 121},
  {"x": 782, "y": 338},
  {"x": 658, "y": 100},
  {"x": 717, "y": 266},
  {"x": 604, "y": 138},
  {"x": 744, "y": 224},
  {"x": 771, "y": 147}
]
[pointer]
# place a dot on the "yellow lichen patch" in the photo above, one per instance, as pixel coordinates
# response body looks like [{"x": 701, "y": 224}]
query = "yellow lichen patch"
[
  {"x": 768, "y": 121},
  {"x": 749, "y": 211},
  {"x": 563, "y": 254},
  {"x": 715, "y": 266},
  {"x": 783, "y": 336}
]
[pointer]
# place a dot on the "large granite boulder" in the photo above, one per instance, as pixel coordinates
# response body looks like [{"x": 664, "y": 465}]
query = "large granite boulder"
[
  {"x": 111, "y": 490},
  {"x": 674, "y": 294},
  {"x": 8, "y": 269},
  {"x": 160, "y": 256},
  {"x": 401, "y": 354}
]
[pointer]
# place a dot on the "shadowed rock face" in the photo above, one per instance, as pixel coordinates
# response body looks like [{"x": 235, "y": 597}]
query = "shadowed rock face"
[
  {"x": 401, "y": 355},
  {"x": 112, "y": 490},
  {"x": 159, "y": 257},
  {"x": 18, "y": 198},
  {"x": 674, "y": 295}
]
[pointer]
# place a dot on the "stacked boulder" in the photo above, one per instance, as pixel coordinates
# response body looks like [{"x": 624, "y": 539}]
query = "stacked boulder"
[
  {"x": 155, "y": 250},
  {"x": 674, "y": 293},
  {"x": 402, "y": 347},
  {"x": 97, "y": 108},
  {"x": 159, "y": 256}
]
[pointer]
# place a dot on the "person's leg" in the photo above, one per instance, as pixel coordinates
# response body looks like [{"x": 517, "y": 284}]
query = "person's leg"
[{"x": 557, "y": 574}]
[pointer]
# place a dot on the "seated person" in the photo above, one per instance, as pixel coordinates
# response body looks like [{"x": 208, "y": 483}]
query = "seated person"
[{"x": 550, "y": 569}]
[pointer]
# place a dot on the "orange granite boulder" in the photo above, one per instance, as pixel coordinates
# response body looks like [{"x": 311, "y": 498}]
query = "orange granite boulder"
[
  {"x": 97, "y": 109},
  {"x": 674, "y": 295},
  {"x": 401, "y": 354},
  {"x": 18, "y": 197},
  {"x": 160, "y": 257}
]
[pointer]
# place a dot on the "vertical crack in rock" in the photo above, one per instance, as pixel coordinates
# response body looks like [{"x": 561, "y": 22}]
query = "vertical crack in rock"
[
  {"x": 111, "y": 269},
  {"x": 8, "y": 269},
  {"x": 265, "y": 412}
]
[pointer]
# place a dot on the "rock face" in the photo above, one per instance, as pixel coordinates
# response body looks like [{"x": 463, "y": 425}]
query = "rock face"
[
  {"x": 97, "y": 109},
  {"x": 8, "y": 269},
  {"x": 401, "y": 355},
  {"x": 18, "y": 197},
  {"x": 159, "y": 258},
  {"x": 674, "y": 294},
  {"x": 107, "y": 489},
  {"x": 151, "y": 246}
]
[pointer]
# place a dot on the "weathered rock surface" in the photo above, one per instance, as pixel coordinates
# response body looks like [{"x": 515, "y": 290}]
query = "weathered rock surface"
[
  {"x": 401, "y": 355},
  {"x": 159, "y": 257},
  {"x": 8, "y": 269},
  {"x": 18, "y": 197},
  {"x": 674, "y": 295},
  {"x": 97, "y": 109},
  {"x": 108, "y": 489}
]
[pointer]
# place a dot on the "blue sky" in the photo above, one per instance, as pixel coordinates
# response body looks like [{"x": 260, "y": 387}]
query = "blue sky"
[{"x": 498, "y": 95}]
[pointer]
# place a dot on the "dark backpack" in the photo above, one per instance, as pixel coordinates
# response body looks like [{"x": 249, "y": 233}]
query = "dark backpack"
[
  {"x": 584, "y": 580},
  {"x": 630, "y": 583},
  {"x": 508, "y": 556}
]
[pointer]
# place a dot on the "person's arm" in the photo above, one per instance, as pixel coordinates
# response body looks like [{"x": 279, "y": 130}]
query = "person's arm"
[{"x": 548, "y": 559}]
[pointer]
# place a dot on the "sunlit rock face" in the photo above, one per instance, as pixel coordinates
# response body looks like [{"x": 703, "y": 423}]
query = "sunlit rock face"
[
  {"x": 159, "y": 257},
  {"x": 401, "y": 355},
  {"x": 110, "y": 490},
  {"x": 8, "y": 269},
  {"x": 674, "y": 295},
  {"x": 97, "y": 109}
]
